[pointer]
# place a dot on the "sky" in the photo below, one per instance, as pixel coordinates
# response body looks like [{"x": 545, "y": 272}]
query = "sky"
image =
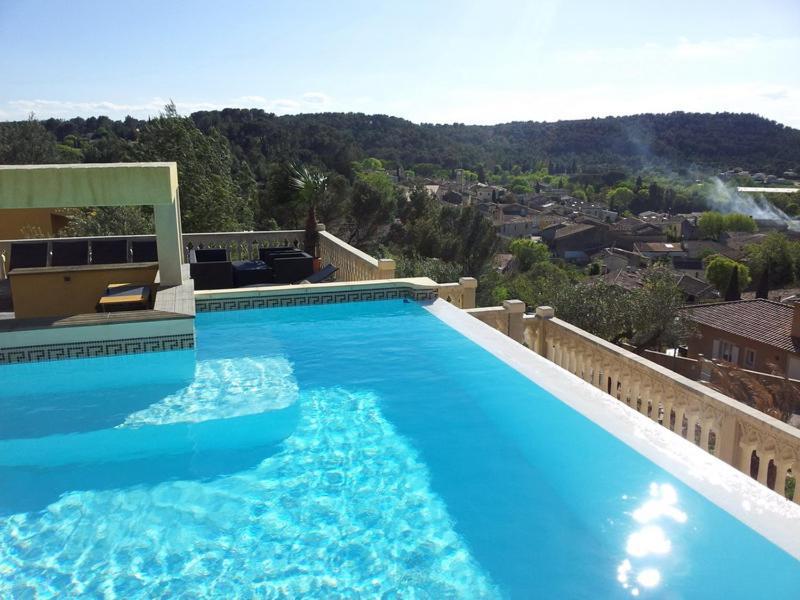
[{"x": 426, "y": 61}]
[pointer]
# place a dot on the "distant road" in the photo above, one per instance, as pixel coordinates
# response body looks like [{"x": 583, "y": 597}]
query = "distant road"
[{"x": 769, "y": 190}]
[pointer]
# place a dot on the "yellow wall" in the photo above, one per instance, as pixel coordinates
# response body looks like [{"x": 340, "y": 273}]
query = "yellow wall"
[
  {"x": 20, "y": 223},
  {"x": 58, "y": 292}
]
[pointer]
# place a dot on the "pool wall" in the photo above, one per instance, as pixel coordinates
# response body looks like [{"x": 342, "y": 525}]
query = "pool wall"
[
  {"x": 771, "y": 515},
  {"x": 417, "y": 288}
]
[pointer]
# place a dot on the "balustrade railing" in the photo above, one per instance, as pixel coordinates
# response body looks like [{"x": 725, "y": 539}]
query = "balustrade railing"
[
  {"x": 352, "y": 263},
  {"x": 461, "y": 294},
  {"x": 749, "y": 440}
]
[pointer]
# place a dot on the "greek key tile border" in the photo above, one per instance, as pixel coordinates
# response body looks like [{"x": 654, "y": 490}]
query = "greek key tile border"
[
  {"x": 331, "y": 297},
  {"x": 24, "y": 354}
]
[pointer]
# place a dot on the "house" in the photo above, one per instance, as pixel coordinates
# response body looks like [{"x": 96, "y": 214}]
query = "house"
[
  {"x": 752, "y": 334},
  {"x": 660, "y": 250},
  {"x": 600, "y": 213},
  {"x": 628, "y": 231},
  {"x": 693, "y": 290},
  {"x": 516, "y": 227},
  {"x": 578, "y": 236},
  {"x": 616, "y": 259},
  {"x": 489, "y": 193}
]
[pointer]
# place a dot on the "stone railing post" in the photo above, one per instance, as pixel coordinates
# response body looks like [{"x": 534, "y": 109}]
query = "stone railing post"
[
  {"x": 515, "y": 309},
  {"x": 543, "y": 314},
  {"x": 469, "y": 285},
  {"x": 386, "y": 267},
  {"x": 320, "y": 226}
]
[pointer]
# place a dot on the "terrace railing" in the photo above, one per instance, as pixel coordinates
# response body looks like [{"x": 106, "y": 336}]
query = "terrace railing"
[
  {"x": 353, "y": 264},
  {"x": 749, "y": 440}
]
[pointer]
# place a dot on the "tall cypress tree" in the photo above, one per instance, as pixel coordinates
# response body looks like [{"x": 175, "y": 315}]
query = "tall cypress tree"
[
  {"x": 763, "y": 284},
  {"x": 732, "y": 293}
]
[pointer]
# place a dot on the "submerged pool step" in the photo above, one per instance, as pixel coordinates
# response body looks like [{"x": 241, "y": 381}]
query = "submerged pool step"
[{"x": 121, "y": 444}]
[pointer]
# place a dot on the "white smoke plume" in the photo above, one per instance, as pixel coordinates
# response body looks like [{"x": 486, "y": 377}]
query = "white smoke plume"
[{"x": 727, "y": 199}]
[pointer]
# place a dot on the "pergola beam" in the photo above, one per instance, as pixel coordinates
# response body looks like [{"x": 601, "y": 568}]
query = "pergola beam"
[{"x": 112, "y": 184}]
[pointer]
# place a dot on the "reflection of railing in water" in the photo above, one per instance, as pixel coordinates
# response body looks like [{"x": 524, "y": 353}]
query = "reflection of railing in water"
[{"x": 749, "y": 440}]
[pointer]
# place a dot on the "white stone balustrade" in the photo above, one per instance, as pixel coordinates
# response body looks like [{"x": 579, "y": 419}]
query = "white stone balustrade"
[
  {"x": 354, "y": 265},
  {"x": 461, "y": 294},
  {"x": 751, "y": 441}
]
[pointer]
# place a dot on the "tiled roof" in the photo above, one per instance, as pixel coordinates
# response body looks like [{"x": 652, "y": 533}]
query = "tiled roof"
[
  {"x": 572, "y": 230},
  {"x": 760, "y": 320}
]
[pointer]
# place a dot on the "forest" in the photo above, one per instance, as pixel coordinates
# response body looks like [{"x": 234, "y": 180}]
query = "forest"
[{"x": 674, "y": 142}]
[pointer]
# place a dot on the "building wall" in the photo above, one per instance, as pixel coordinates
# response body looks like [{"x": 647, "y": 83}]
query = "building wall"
[
  {"x": 703, "y": 343},
  {"x": 58, "y": 292},
  {"x": 21, "y": 223}
]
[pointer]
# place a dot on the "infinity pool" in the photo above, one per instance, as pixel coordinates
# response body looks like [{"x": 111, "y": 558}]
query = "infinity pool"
[{"x": 346, "y": 451}]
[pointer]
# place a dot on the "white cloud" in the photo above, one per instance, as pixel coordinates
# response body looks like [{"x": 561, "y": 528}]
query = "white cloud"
[
  {"x": 499, "y": 106},
  {"x": 45, "y": 108}
]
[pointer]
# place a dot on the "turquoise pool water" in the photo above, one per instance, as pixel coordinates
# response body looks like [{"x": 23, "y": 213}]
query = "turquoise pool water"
[{"x": 342, "y": 451}]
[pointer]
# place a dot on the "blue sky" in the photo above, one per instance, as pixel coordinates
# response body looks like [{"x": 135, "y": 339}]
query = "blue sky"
[{"x": 444, "y": 62}]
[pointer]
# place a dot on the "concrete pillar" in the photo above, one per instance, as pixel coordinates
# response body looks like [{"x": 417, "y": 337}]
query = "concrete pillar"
[
  {"x": 543, "y": 314},
  {"x": 386, "y": 267},
  {"x": 728, "y": 441},
  {"x": 468, "y": 285},
  {"x": 169, "y": 242},
  {"x": 746, "y": 454},
  {"x": 515, "y": 309},
  {"x": 706, "y": 425}
]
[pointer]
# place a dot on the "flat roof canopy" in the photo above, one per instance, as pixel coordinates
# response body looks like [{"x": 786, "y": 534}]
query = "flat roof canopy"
[
  {"x": 73, "y": 186},
  {"x": 106, "y": 184}
]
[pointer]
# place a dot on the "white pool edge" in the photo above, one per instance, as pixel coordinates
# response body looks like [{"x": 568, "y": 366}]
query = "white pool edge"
[{"x": 760, "y": 508}]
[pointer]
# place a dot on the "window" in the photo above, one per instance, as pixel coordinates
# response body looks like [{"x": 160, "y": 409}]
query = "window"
[
  {"x": 726, "y": 351},
  {"x": 749, "y": 358}
]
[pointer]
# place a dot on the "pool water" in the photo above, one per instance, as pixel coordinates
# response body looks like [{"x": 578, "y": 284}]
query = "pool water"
[{"x": 342, "y": 451}]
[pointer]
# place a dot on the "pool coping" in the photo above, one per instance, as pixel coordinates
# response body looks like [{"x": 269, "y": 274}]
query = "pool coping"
[{"x": 763, "y": 510}]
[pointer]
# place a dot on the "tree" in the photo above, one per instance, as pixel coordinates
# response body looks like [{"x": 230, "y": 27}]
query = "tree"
[
  {"x": 109, "y": 220},
  {"x": 210, "y": 198},
  {"x": 656, "y": 319},
  {"x": 529, "y": 253},
  {"x": 27, "y": 143},
  {"x": 371, "y": 210},
  {"x": 719, "y": 272},
  {"x": 620, "y": 199},
  {"x": 733, "y": 292},
  {"x": 763, "y": 284},
  {"x": 711, "y": 225},
  {"x": 739, "y": 222},
  {"x": 777, "y": 254}
]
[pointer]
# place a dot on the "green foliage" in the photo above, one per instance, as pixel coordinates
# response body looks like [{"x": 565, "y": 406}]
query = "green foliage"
[
  {"x": 211, "y": 200},
  {"x": 719, "y": 270},
  {"x": 372, "y": 208},
  {"x": 422, "y": 266},
  {"x": 777, "y": 253},
  {"x": 109, "y": 220},
  {"x": 620, "y": 199},
  {"x": 713, "y": 224},
  {"x": 528, "y": 253},
  {"x": 427, "y": 229},
  {"x": 646, "y": 317},
  {"x": 739, "y": 222},
  {"x": 27, "y": 143}
]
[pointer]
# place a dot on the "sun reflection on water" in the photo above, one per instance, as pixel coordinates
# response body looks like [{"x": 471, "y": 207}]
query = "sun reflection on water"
[{"x": 637, "y": 572}]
